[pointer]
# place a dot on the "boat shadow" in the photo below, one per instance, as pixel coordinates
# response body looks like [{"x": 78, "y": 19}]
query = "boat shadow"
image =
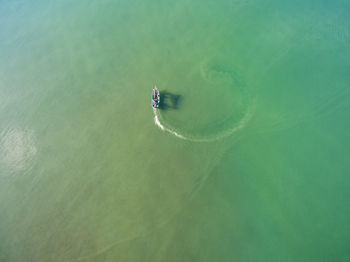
[{"x": 169, "y": 100}]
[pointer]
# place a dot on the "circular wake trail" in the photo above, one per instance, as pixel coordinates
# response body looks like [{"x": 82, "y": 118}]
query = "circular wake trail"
[
  {"x": 248, "y": 115},
  {"x": 159, "y": 124}
]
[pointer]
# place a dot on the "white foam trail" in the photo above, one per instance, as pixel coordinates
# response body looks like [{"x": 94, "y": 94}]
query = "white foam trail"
[
  {"x": 248, "y": 115},
  {"x": 159, "y": 124}
]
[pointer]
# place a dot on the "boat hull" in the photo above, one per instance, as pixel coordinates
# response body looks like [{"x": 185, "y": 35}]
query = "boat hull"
[{"x": 155, "y": 98}]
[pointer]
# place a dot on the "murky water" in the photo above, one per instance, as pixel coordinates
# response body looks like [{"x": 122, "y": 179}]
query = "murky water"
[{"x": 245, "y": 161}]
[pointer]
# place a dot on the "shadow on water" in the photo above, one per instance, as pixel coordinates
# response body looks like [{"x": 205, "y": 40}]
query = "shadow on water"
[{"x": 169, "y": 100}]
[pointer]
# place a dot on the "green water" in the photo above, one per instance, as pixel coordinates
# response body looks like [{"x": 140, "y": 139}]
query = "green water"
[{"x": 247, "y": 160}]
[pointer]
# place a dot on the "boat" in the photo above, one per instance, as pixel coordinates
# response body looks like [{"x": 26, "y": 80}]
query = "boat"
[{"x": 155, "y": 97}]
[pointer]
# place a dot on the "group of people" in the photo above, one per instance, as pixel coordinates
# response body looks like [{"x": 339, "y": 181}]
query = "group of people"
[{"x": 155, "y": 97}]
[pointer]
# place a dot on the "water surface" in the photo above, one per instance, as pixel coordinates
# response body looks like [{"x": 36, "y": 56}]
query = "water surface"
[{"x": 245, "y": 161}]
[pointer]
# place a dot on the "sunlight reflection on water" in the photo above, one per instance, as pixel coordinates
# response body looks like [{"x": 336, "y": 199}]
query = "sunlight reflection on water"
[{"x": 17, "y": 148}]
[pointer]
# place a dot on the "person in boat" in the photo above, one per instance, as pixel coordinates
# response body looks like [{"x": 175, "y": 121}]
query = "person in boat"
[
  {"x": 155, "y": 97},
  {"x": 154, "y": 94}
]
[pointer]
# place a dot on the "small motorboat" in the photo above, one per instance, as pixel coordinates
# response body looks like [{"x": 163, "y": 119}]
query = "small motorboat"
[{"x": 155, "y": 97}]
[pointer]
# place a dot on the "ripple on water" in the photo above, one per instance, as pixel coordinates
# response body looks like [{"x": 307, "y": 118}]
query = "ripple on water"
[{"x": 219, "y": 106}]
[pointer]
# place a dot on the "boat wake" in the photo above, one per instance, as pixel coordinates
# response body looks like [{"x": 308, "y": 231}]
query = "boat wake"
[
  {"x": 220, "y": 135},
  {"x": 162, "y": 127},
  {"x": 219, "y": 72}
]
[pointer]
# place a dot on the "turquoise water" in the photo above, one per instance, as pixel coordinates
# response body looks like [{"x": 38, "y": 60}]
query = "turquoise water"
[{"x": 247, "y": 160}]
